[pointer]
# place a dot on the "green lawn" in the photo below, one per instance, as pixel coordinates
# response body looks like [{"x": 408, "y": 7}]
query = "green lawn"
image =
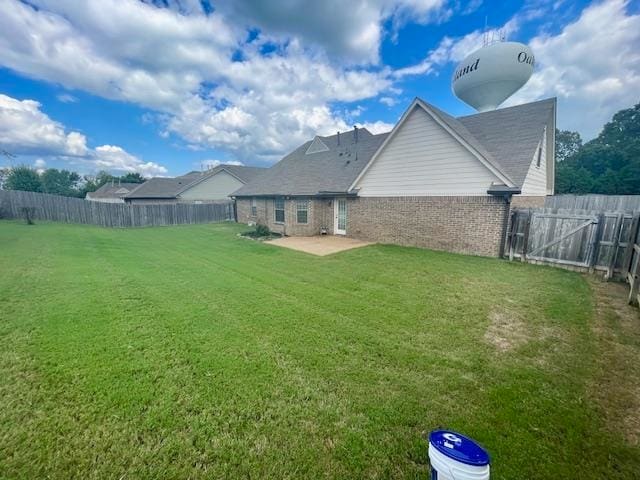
[{"x": 188, "y": 352}]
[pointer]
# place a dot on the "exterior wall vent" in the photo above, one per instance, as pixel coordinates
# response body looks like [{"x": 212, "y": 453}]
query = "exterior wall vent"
[{"x": 317, "y": 146}]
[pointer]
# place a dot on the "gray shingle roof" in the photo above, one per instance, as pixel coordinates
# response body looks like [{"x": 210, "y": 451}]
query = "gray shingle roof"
[
  {"x": 334, "y": 170},
  {"x": 114, "y": 190},
  {"x": 512, "y": 134},
  {"x": 161, "y": 187},
  {"x": 244, "y": 174},
  {"x": 507, "y": 138}
]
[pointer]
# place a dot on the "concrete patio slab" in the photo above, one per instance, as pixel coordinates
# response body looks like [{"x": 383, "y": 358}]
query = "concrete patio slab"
[{"x": 319, "y": 245}]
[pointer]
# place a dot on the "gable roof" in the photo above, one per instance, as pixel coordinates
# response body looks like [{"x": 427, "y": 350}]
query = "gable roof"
[
  {"x": 332, "y": 170},
  {"x": 512, "y": 135},
  {"x": 455, "y": 129},
  {"x": 160, "y": 187},
  {"x": 115, "y": 190},
  {"x": 504, "y": 140}
]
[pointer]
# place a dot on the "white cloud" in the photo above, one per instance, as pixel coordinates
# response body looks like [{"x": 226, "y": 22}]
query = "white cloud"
[
  {"x": 114, "y": 158},
  {"x": 352, "y": 31},
  {"x": 209, "y": 164},
  {"x": 592, "y": 66},
  {"x": 111, "y": 48},
  {"x": 377, "y": 127},
  {"x": 26, "y": 130},
  {"x": 40, "y": 164},
  {"x": 212, "y": 84},
  {"x": 388, "y": 101},
  {"x": 66, "y": 98}
]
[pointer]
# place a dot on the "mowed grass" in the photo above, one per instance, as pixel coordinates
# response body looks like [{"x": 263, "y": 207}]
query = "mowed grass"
[{"x": 188, "y": 352}]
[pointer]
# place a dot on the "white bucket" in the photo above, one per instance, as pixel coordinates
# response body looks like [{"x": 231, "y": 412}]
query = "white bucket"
[{"x": 453, "y": 465}]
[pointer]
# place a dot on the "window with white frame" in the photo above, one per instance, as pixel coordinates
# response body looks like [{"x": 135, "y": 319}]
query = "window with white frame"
[
  {"x": 254, "y": 207},
  {"x": 278, "y": 208},
  {"x": 302, "y": 211}
]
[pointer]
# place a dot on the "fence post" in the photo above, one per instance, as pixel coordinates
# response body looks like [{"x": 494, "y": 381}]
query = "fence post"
[
  {"x": 617, "y": 230},
  {"x": 628, "y": 253},
  {"x": 595, "y": 243},
  {"x": 525, "y": 238},
  {"x": 634, "y": 279},
  {"x": 511, "y": 232}
]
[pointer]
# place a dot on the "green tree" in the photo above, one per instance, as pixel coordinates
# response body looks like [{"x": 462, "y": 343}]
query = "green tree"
[
  {"x": 103, "y": 177},
  {"x": 610, "y": 163},
  {"x": 132, "y": 178},
  {"x": 568, "y": 143},
  {"x": 23, "y": 178},
  {"x": 60, "y": 182}
]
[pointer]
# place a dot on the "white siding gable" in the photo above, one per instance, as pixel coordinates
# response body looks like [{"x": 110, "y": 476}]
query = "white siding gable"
[
  {"x": 423, "y": 159},
  {"x": 217, "y": 187},
  {"x": 535, "y": 183}
]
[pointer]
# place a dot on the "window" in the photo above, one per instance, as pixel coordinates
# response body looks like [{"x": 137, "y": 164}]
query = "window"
[
  {"x": 278, "y": 207},
  {"x": 539, "y": 160},
  {"x": 254, "y": 207},
  {"x": 302, "y": 211}
]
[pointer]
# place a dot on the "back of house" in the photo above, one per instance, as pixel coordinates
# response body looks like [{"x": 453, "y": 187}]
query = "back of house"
[{"x": 434, "y": 181}]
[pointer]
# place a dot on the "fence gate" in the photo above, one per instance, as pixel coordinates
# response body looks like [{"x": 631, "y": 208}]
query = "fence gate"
[{"x": 569, "y": 239}]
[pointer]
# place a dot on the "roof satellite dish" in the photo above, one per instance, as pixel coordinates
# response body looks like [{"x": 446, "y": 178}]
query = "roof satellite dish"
[{"x": 490, "y": 75}]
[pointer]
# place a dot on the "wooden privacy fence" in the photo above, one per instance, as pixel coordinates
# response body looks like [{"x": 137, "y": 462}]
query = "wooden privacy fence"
[
  {"x": 600, "y": 203},
  {"x": 580, "y": 239},
  {"x": 75, "y": 210}
]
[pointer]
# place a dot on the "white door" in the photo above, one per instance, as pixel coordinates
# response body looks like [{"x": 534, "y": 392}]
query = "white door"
[{"x": 340, "y": 216}]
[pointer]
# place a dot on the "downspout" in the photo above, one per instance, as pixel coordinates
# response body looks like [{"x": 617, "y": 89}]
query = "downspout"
[
  {"x": 505, "y": 223},
  {"x": 506, "y": 193}
]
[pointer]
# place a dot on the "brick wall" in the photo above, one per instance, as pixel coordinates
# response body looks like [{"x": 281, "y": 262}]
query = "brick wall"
[
  {"x": 472, "y": 225},
  {"x": 320, "y": 214},
  {"x": 518, "y": 201}
]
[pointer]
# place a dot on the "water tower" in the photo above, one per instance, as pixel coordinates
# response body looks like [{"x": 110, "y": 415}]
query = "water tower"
[{"x": 490, "y": 75}]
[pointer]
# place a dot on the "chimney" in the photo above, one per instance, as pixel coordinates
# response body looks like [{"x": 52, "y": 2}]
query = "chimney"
[{"x": 355, "y": 133}]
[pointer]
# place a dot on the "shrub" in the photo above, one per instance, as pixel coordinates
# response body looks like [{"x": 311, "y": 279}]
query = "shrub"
[{"x": 262, "y": 230}]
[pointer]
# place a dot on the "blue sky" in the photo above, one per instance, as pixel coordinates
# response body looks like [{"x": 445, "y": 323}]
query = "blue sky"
[{"x": 164, "y": 87}]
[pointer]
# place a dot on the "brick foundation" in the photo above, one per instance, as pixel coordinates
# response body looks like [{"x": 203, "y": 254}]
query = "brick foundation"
[{"x": 472, "y": 225}]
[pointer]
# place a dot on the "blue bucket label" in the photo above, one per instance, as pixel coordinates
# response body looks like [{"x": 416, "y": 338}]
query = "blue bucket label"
[{"x": 459, "y": 448}]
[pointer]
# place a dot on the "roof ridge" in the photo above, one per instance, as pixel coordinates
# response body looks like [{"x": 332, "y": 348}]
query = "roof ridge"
[{"x": 544, "y": 100}]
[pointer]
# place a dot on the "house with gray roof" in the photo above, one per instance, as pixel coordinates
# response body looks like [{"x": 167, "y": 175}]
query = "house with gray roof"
[
  {"x": 433, "y": 181},
  {"x": 211, "y": 186},
  {"x": 112, "y": 192}
]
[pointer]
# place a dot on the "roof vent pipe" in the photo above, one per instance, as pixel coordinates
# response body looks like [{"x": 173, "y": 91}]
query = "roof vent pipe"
[
  {"x": 338, "y": 138},
  {"x": 355, "y": 133}
]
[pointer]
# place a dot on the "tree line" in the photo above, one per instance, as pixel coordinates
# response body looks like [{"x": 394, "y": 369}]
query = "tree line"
[
  {"x": 60, "y": 182},
  {"x": 609, "y": 164}
]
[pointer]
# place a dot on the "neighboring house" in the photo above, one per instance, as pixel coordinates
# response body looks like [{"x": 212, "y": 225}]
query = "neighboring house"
[
  {"x": 214, "y": 185},
  {"x": 111, "y": 192},
  {"x": 434, "y": 181}
]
